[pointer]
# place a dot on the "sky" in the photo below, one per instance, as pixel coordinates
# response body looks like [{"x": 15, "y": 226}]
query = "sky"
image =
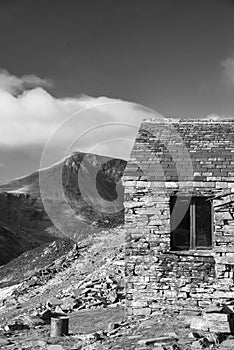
[{"x": 83, "y": 58}]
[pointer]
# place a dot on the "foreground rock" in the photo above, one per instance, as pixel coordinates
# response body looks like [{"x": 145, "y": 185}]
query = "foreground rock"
[{"x": 215, "y": 319}]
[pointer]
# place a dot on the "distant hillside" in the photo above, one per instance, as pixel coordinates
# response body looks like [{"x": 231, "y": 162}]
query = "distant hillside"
[{"x": 24, "y": 221}]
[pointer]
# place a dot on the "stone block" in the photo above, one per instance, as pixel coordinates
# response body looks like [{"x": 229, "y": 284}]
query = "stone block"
[
  {"x": 146, "y": 311},
  {"x": 219, "y": 327},
  {"x": 198, "y": 323},
  {"x": 139, "y": 304},
  {"x": 217, "y": 317},
  {"x": 227, "y": 344}
]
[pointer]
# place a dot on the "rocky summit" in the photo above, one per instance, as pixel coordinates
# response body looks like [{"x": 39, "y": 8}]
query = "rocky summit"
[{"x": 26, "y": 208}]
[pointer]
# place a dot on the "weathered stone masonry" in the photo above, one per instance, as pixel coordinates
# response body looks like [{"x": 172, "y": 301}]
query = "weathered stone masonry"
[{"x": 156, "y": 275}]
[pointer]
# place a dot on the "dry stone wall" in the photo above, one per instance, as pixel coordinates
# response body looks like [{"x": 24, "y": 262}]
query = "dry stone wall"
[{"x": 156, "y": 275}]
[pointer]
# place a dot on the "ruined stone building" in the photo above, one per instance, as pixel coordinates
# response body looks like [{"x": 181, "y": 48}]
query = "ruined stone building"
[{"x": 179, "y": 214}]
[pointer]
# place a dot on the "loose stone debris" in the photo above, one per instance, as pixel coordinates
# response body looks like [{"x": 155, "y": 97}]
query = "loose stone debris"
[{"x": 165, "y": 329}]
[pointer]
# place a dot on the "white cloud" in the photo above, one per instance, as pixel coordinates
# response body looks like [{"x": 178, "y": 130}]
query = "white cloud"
[
  {"x": 228, "y": 69},
  {"x": 14, "y": 84},
  {"x": 33, "y": 116}
]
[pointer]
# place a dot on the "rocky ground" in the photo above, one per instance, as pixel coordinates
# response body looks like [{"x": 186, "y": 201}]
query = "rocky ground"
[{"x": 86, "y": 283}]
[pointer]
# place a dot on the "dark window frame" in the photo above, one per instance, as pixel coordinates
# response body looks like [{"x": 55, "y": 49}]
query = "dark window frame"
[{"x": 194, "y": 200}]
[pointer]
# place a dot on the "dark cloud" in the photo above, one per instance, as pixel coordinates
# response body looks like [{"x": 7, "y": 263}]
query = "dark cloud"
[{"x": 227, "y": 2}]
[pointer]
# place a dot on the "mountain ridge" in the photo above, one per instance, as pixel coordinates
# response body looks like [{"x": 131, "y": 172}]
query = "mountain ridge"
[{"x": 24, "y": 210}]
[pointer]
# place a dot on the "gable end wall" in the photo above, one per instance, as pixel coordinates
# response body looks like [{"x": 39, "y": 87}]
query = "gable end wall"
[{"x": 156, "y": 276}]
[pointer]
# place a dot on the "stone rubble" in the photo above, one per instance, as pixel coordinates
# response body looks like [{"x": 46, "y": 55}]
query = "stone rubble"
[
  {"x": 43, "y": 275},
  {"x": 106, "y": 286},
  {"x": 131, "y": 329}
]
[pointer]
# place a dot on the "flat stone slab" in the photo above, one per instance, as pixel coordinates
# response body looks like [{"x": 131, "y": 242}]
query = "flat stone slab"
[
  {"x": 227, "y": 344},
  {"x": 55, "y": 347},
  {"x": 159, "y": 340}
]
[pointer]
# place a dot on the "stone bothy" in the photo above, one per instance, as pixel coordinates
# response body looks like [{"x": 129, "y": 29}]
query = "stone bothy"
[{"x": 179, "y": 215}]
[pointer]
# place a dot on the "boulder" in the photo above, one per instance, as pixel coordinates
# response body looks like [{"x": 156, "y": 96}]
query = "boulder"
[{"x": 68, "y": 304}]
